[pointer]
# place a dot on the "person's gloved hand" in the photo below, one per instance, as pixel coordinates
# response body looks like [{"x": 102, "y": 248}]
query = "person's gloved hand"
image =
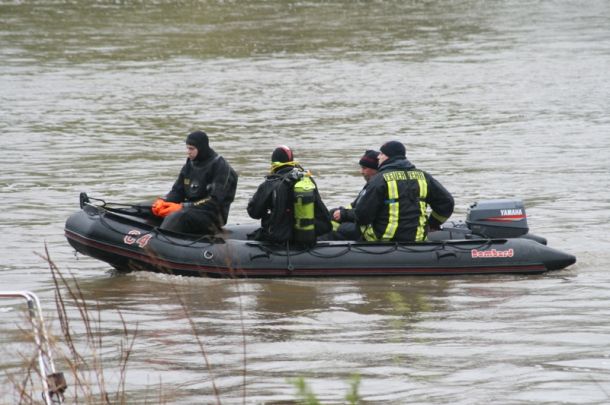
[
  {"x": 162, "y": 208},
  {"x": 168, "y": 208},
  {"x": 157, "y": 205}
]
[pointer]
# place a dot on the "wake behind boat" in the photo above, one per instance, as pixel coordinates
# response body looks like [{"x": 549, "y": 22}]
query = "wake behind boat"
[{"x": 494, "y": 239}]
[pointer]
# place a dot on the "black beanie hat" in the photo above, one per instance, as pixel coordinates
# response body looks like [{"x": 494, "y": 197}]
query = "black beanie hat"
[
  {"x": 199, "y": 139},
  {"x": 369, "y": 159},
  {"x": 393, "y": 148},
  {"x": 282, "y": 154}
]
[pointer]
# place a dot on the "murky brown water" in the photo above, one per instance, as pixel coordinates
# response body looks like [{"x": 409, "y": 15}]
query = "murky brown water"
[{"x": 496, "y": 99}]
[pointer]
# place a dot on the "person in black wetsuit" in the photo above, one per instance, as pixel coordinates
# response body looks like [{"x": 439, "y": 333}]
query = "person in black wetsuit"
[
  {"x": 274, "y": 203},
  {"x": 201, "y": 196}
]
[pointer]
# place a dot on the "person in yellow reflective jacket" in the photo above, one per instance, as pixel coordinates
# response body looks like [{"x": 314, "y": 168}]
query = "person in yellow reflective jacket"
[{"x": 395, "y": 203}]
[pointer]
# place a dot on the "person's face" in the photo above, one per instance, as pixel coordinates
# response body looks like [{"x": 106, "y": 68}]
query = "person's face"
[
  {"x": 367, "y": 173},
  {"x": 382, "y": 158},
  {"x": 191, "y": 152}
]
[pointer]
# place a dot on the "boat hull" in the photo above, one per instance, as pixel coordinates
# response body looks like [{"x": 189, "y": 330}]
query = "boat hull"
[{"x": 130, "y": 244}]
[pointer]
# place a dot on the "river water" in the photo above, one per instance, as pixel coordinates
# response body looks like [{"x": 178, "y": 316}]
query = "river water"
[{"x": 497, "y": 99}]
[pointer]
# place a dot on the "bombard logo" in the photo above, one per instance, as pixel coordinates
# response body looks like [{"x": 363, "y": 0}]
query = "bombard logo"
[{"x": 477, "y": 254}]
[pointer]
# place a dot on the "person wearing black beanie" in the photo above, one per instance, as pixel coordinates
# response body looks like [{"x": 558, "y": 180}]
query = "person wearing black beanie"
[
  {"x": 344, "y": 220},
  {"x": 393, "y": 148},
  {"x": 369, "y": 160},
  {"x": 201, "y": 196},
  {"x": 394, "y": 205}
]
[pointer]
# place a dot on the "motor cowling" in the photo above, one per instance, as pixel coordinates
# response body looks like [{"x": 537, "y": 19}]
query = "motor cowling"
[{"x": 497, "y": 218}]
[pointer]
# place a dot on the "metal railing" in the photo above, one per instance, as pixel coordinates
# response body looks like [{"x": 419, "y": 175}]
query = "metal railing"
[{"x": 53, "y": 383}]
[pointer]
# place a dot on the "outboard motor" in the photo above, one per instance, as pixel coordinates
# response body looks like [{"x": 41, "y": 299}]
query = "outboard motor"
[
  {"x": 489, "y": 219},
  {"x": 497, "y": 218}
]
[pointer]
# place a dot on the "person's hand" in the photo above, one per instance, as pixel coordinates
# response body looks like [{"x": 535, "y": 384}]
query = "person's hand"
[
  {"x": 157, "y": 205},
  {"x": 169, "y": 208},
  {"x": 162, "y": 208}
]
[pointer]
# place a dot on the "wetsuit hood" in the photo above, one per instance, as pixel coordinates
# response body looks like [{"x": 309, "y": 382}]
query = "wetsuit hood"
[{"x": 199, "y": 139}]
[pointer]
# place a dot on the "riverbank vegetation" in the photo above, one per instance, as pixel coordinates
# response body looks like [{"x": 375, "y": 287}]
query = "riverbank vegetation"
[{"x": 98, "y": 374}]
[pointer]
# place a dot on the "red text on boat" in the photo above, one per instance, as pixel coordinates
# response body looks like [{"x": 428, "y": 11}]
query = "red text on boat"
[
  {"x": 133, "y": 236},
  {"x": 479, "y": 254}
]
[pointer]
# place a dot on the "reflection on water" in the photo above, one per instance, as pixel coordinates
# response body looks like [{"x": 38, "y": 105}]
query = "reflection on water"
[
  {"x": 328, "y": 329},
  {"x": 496, "y": 99}
]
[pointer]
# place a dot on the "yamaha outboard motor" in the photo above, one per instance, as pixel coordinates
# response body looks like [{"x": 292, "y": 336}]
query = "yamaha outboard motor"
[
  {"x": 497, "y": 218},
  {"x": 489, "y": 219}
]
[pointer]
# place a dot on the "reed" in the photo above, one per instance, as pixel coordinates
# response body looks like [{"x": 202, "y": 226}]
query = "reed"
[
  {"x": 79, "y": 354},
  {"x": 306, "y": 396}
]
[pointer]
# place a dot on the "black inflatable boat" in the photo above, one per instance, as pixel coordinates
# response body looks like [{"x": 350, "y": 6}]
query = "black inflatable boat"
[{"x": 493, "y": 239}]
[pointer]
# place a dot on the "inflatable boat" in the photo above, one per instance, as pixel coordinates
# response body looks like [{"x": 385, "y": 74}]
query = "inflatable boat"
[{"x": 493, "y": 239}]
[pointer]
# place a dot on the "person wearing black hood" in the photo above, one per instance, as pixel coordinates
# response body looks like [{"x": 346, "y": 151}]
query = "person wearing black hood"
[
  {"x": 199, "y": 200},
  {"x": 395, "y": 203},
  {"x": 275, "y": 203}
]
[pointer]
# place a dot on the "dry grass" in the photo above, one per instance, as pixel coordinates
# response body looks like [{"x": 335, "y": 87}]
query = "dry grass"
[
  {"x": 79, "y": 351},
  {"x": 81, "y": 361}
]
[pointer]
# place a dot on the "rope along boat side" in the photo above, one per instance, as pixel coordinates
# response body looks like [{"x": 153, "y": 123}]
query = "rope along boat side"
[{"x": 493, "y": 239}]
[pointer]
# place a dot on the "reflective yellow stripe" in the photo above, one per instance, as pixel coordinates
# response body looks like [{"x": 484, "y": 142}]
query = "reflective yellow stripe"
[
  {"x": 420, "y": 233},
  {"x": 368, "y": 233},
  {"x": 440, "y": 218},
  {"x": 423, "y": 188},
  {"x": 393, "y": 209}
]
